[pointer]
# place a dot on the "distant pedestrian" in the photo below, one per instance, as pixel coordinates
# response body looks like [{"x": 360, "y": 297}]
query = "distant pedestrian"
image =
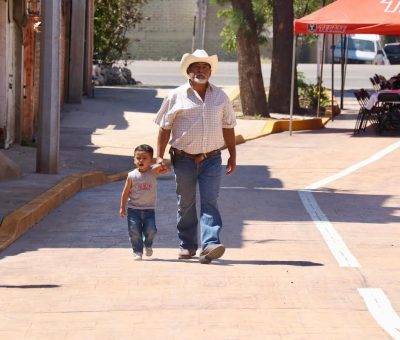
[
  {"x": 139, "y": 196},
  {"x": 199, "y": 118}
]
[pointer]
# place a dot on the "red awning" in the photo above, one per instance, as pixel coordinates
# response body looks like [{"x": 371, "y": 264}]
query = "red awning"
[{"x": 351, "y": 17}]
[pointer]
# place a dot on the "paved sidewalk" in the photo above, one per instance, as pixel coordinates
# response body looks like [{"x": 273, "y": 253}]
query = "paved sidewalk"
[{"x": 72, "y": 275}]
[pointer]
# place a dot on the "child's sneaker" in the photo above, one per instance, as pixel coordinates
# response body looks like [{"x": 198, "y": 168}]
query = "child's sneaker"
[
  {"x": 137, "y": 256},
  {"x": 148, "y": 251}
]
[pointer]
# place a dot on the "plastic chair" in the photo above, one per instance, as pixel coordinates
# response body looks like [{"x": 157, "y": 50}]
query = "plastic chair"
[{"x": 364, "y": 115}]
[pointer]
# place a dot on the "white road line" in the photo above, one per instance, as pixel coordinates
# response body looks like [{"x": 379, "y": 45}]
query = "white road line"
[
  {"x": 382, "y": 310},
  {"x": 332, "y": 238},
  {"x": 354, "y": 167}
]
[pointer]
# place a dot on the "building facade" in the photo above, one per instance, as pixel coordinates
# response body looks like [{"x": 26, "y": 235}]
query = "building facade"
[
  {"x": 173, "y": 27},
  {"x": 31, "y": 57}
]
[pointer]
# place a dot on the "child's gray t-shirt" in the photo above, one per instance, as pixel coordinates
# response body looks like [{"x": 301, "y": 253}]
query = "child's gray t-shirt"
[{"x": 143, "y": 193}]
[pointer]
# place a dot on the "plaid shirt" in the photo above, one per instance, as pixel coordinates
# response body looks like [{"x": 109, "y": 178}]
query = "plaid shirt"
[{"x": 196, "y": 126}]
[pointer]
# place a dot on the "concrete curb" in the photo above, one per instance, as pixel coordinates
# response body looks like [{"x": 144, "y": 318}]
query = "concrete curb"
[
  {"x": 22, "y": 219},
  {"x": 276, "y": 126}
]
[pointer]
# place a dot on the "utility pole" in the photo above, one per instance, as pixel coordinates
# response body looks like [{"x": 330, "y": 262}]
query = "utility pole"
[
  {"x": 88, "y": 63},
  {"x": 49, "y": 89},
  {"x": 76, "y": 61},
  {"x": 201, "y": 15}
]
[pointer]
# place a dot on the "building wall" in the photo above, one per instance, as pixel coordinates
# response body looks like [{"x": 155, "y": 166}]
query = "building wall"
[
  {"x": 7, "y": 74},
  {"x": 3, "y": 68},
  {"x": 168, "y": 31},
  {"x": 27, "y": 106}
]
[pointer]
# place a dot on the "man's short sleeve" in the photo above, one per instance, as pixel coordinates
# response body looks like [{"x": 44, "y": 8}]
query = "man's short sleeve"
[
  {"x": 229, "y": 116},
  {"x": 165, "y": 115}
]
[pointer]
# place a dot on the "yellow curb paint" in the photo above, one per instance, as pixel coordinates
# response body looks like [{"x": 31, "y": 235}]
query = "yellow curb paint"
[
  {"x": 91, "y": 179},
  {"x": 276, "y": 126},
  {"x": 22, "y": 219},
  {"x": 233, "y": 94},
  {"x": 239, "y": 139},
  {"x": 118, "y": 177}
]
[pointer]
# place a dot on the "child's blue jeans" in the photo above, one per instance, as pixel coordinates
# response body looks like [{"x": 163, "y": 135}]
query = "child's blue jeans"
[{"x": 141, "y": 228}]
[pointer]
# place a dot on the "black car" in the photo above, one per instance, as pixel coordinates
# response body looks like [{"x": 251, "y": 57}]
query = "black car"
[{"x": 393, "y": 52}]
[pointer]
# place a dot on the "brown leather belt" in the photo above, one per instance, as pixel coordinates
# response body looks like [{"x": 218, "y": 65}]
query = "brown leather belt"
[{"x": 195, "y": 156}]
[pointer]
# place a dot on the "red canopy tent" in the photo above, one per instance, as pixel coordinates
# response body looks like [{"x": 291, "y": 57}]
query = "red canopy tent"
[{"x": 349, "y": 17}]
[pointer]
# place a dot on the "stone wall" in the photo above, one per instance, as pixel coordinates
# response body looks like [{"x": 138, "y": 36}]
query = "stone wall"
[{"x": 168, "y": 32}]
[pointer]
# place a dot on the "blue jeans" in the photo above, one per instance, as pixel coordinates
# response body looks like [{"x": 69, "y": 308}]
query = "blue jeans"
[
  {"x": 141, "y": 228},
  {"x": 208, "y": 176}
]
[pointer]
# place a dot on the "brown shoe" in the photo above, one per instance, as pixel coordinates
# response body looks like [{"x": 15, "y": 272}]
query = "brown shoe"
[
  {"x": 211, "y": 252},
  {"x": 185, "y": 254}
]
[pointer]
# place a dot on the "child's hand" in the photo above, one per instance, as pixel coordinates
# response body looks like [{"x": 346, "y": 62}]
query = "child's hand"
[
  {"x": 164, "y": 170},
  {"x": 160, "y": 169},
  {"x": 122, "y": 212}
]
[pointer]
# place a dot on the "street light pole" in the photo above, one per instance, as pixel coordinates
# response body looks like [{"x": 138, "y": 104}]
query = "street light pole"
[{"x": 49, "y": 89}]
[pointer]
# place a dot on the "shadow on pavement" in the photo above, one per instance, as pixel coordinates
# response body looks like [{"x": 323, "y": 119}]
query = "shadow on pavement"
[
  {"x": 29, "y": 286},
  {"x": 252, "y": 204},
  {"x": 224, "y": 262},
  {"x": 81, "y": 123}
]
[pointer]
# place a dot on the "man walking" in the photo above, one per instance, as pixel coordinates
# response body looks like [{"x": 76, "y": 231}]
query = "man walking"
[{"x": 199, "y": 119}]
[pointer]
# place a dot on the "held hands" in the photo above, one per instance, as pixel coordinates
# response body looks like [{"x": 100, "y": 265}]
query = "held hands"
[{"x": 160, "y": 167}]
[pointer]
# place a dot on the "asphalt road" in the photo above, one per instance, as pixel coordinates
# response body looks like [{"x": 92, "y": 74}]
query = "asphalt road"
[{"x": 167, "y": 73}]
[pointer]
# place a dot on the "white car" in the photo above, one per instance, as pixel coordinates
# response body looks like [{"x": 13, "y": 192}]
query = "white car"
[{"x": 361, "y": 48}]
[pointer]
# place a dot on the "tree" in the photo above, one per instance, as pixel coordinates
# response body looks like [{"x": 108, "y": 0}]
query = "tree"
[
  {"x": 281, "y": 14},
  {"x": 282, "y": 50},
  {"x": 251, "y": 83},
  {"x": 112, "y": 19}
]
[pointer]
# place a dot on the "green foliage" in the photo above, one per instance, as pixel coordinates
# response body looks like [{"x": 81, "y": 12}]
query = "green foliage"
[
  {"x": 387, "y": 39},
  {"x": 232, "y": 23},
  {"x": 112, "y": 20},
  {"x": 263, "y": 13},
  {"x": 308, "y": 94},
  {"x": 234, "y": 20},
  {"x": 27, "y": 142}
]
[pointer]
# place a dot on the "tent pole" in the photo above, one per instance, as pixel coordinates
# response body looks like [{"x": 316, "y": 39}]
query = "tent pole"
[
  {"x": 320, "y": 77},
  {"x": 343, "y": 64},
  {"x": 292, "y": 84},
  {"x": 332, "y": 75}
]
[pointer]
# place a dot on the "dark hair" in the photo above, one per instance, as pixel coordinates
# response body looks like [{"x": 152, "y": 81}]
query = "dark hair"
[{"x": 145, "y": 148}]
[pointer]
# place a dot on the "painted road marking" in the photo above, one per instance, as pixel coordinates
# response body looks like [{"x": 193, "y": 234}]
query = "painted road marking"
[
  {"x": 354, "y": 167},
  {"x": 332, "y": 238},
  {"x": 382, "y": 310},
  {"x": 375, "y": 299}
]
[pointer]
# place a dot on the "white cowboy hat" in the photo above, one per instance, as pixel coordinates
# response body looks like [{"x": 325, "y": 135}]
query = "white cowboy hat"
[{"x": 198, "y": 56}]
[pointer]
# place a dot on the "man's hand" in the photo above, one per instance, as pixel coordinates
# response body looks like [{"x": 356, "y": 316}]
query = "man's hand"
[
  {"x": 230, "y": 141},
  {"x": 230, "y": 166},
  {"x": 159, "y": 160}
]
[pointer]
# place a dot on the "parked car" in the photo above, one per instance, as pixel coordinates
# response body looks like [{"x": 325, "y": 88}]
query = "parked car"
[
  {"x": 361, "y": 48},
  {"x": 392, "y": 52}
]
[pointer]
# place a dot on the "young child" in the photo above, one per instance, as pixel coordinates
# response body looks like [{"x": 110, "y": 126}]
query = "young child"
[{"x": 140, "y": 192}]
